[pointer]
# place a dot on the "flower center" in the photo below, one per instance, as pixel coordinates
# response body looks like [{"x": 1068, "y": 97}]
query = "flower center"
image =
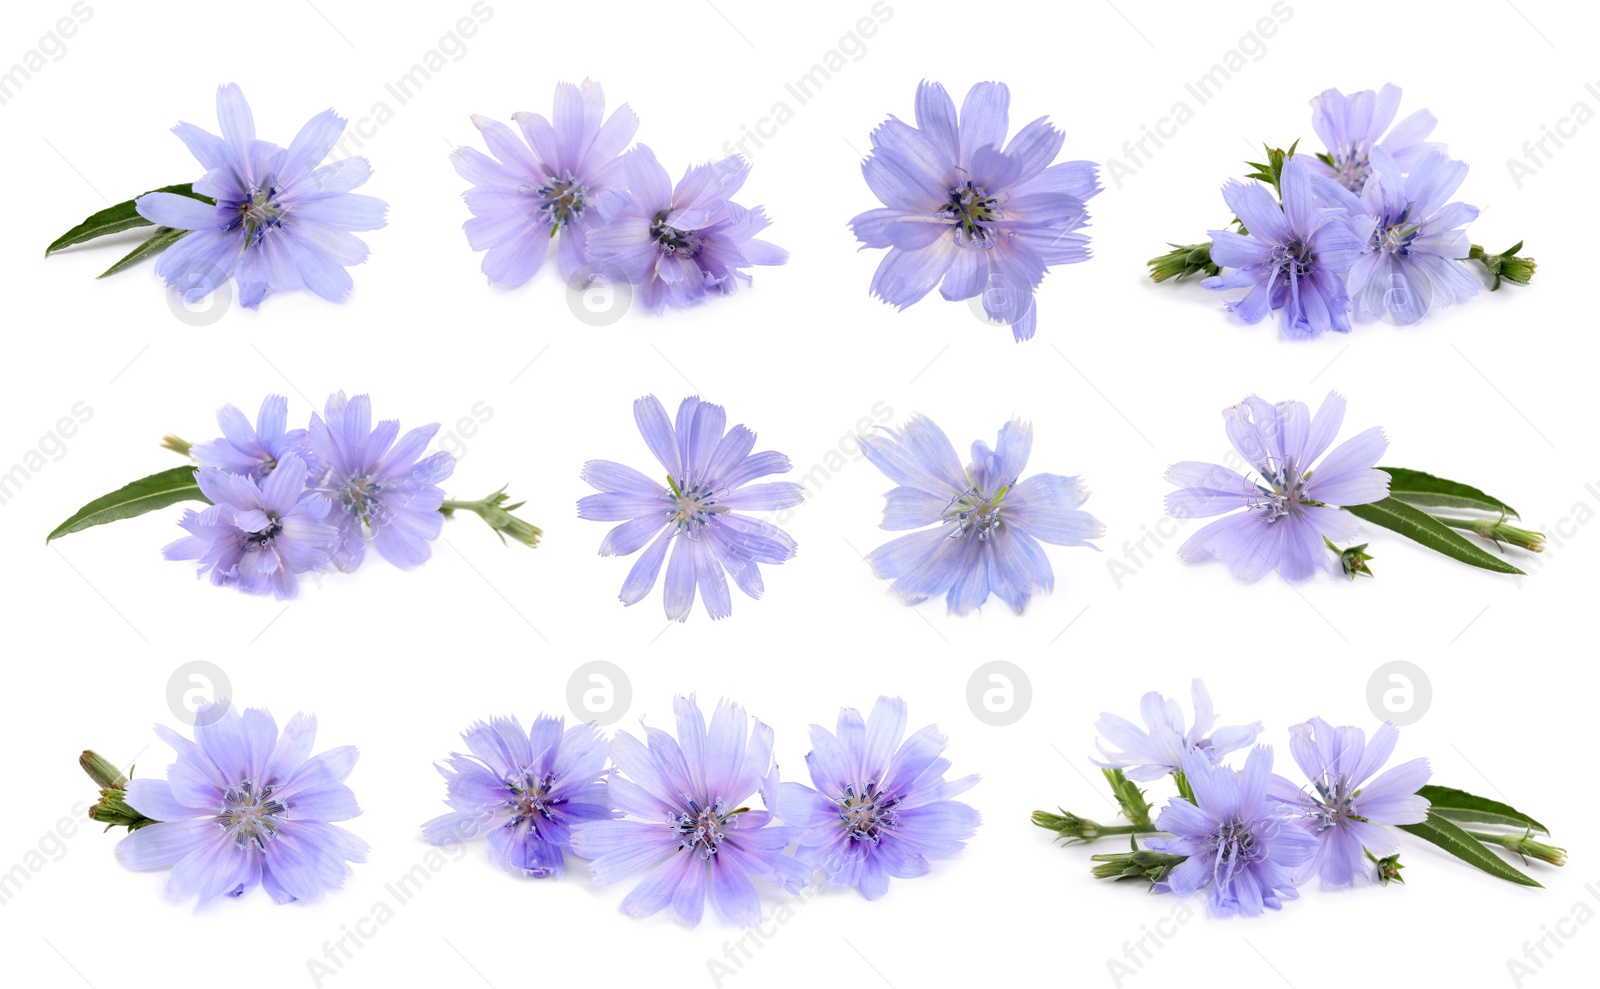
[
  {"x": 258, "y": 211},
  {"x": 1282, "y": 491},
  {"x": 249, "y": 814},
  {"x": 361, "y": 496},
  {"x": 972, "y": 511},
  {"x": 562, "y": 200},
  {"x": 1291, "y": 259},
  {"x": 531, "y": 796},
  {"x": 1334, "y": 803},
  {"x": 703, "y": 829},
  {"x": 691, "y": 505},
  {"x": 1351, "y": 170},
  {"x": 261, "y": 540},
  {"x": 1235, "y": 845},
  {"x": 867, "y": 812},
  {"x": 1394, "y": 235},
  {"x": 970, "y": 208},
  {"x": 670, "y": 240}
]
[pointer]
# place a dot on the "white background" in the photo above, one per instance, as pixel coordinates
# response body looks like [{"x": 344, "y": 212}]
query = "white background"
[{"x": 1123, "y": 378}]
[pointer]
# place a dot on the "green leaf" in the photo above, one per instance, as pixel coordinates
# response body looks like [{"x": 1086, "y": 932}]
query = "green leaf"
[
  {"x": 144, "y": 495},
  {"x": 163, "y": 238},
  {"x": 1417, "y": 488},
  {"x": 1468, "y": 849},
  {"x": 1414, "y": 523},
  {"x": 1466, "y": 808},
  {"x": 116, "y": 219}
]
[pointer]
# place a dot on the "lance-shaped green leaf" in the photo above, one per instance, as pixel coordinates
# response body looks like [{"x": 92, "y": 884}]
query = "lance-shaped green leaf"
[
  {"x": 1468, "y": 808},
  {"x": 163, "y": 238},
  {"x": 1451, "y": 838},
  {"x": 1417, "y": 488},
  {"x": 147, "y": 494},
  {"x": 116, "y": 219},
  {"x": 1415, "y": 524}
]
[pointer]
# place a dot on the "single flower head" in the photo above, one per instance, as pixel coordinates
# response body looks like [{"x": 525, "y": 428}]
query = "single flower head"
[
  {"x": 1349, "y": 805},
  {"x": 970, "y": 212},
  {"x": 525, "y": 790},
  {"x": 697, "y": 509},
  {"x": 1159, "y": 748},
  {"x": 688, "y": 821},
  {"x": 1279, "y": 518},
  {"x": 677, "y": 244},
  {"x": 282, "y": 220},
  {"x": 1413, "y": 236},
  {"x": 1352, "y": 126},
  {"x": 882, "y": 807},
  {"x": 1238, "y": 845},
  {"x": 1291, "y": 258},
  {"x": 372, "y": 480},
  {"x": 255, "y": 452},
  {"x": 258, "y": 536},
  {"x": 986, "y": 522},
  {"x": 545, "y": 184},
  {"x": 244, "y": 805}
]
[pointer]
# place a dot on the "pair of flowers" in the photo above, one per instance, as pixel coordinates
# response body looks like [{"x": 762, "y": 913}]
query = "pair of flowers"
[
  {"x": 244, "y": 805},
  {"x": 980, "y": 526},
  {"x": 278, "y": 219},
  {"x": 1367, "y": 228}
]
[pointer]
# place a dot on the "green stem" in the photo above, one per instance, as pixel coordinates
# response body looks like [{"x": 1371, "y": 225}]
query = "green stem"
[
  {"x": 1524, "y": 845},
  {"x": 494, "y": 511}
]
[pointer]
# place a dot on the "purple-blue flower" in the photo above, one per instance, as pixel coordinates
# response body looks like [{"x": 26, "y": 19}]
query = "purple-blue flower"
[
  {"x": 1413, "y": 236},
  {"x": 1238, "y": 845},
  {"x": 1291, "y": 258},
  {"x": 244, "y": 804},
  {"x": 882, "y": 807},
  {"x": 371, "y": 479},
  {"x": 676, "y": 244},
  {"x": 1347, "y": 808},
  {"x": 688, "y": 825},
  {"x": 258, "y": 536},
  {"x": 986, "y": 523},
  {"x": 1352, "y": 126},
  {"x": 696, "y": 508},
  {"x": 256, "y": 451},
  {"x": 969, "y": 212},
  {"x": 525, "y": 789},
  {"x": 282, "y": 220},
  {"x": 1288, "y": 509},
  {"x": 1160, "y": 747},
  {"x": 544, "y": 185}
]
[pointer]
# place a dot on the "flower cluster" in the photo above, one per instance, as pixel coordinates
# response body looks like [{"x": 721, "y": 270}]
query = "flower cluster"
[
  {"x": 613, "y": 213},
  {"x": 1367, "y": 228},
  {"x": 678, "y": 809},
  {"x": 1304, "y": 493},
  {"x": 1250, "y": 838},
  {"x": 274, "y": 218},
  {"x": 281, "y": 502},
  {"x": 969, "y": 212}
]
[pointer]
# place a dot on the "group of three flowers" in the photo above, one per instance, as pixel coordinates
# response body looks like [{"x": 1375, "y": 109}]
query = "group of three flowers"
[{"x": 245, "y": 805}]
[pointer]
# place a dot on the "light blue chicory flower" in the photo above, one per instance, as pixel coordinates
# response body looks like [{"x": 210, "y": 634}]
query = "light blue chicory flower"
[
  {"x": 282, "y": 220},
  {"x": 256, "y": 451},
  {"x": 969, "y": 212},
  {"x": 987, "y": 522},
  {"x": 1352, "y": 126},
  {"x": 881, "y": 807},
  {"x": 1159, "y": 748},
  {"x": 245, "y": 805}
]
